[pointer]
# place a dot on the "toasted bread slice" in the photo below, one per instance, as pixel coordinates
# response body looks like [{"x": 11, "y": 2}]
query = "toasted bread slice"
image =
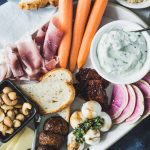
[
  {"x": 53, "y": 93},
  {"x": 65, "y": 113},
  {"x": 59, "y": 74}
]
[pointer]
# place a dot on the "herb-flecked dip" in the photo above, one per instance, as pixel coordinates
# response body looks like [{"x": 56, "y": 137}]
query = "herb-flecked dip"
[{"x": 122, "y": 53}]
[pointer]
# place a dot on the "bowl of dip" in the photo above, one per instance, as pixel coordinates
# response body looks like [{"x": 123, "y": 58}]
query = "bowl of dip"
[
  {"x": 133, "y": 4},
  {"x": 119, "y": 55}
]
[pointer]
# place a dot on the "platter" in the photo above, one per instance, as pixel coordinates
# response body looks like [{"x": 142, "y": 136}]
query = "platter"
[{"x": 113, "y": 12}]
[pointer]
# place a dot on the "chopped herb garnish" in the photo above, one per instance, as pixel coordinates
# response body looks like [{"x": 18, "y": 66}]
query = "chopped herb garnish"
[{"x": 94, "y": 124}]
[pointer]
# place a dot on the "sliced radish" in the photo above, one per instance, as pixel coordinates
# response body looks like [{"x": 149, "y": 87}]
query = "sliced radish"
[
  {"x": 144, "y": 87},
  {"x": 129, "y": 108},
  {"x": 147, "y": 107},
  {"x": 139, "y": 107},
  {"x": 107, "y": 122},
  {"x": 147, "y": 78},
  {"x": 119, "y": 101}
]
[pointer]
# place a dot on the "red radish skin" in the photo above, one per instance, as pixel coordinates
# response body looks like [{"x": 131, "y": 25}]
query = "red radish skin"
[
  {"x": 129, "y": 108},
  {"x": 119, "y": 100},
  {"x": 147, "y": 78},
  {"x": 144, "y": 87},
  {"x": 147, "y": 107},
  {"x": 139, "y": 106}
]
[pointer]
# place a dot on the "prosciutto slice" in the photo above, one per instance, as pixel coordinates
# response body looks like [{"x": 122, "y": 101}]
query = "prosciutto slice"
[
  {"x": 3, "y": 71},
  {"x": 30, "y": 57},
  {"x": 14, "y": 62},
  {"x": 52, "y": 40},
  {"x": 40, "y": 36}
]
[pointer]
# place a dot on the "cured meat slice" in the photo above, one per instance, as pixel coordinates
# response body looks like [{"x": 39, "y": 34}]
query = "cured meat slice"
[
  {"x": 51, "y": 64},
  {"x": 30, "y": 57},
  {"x": 139, "y": 106},
  {"x": 40, "y": 36},
  {"x": 14, "y": 62},
  {"x": 3, "y": 71},
  {"x": 129, "y": 108},
  {"x": 119, "y": 101},
  {"x": 144, "y": 87},
  {"x": 52, "y": 40}
]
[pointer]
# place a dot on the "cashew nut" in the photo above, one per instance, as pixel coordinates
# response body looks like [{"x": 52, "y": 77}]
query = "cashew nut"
[
  {"x": 16, "y": 123},
  {"x": 7, "y": 101},
  {"x": 11, "y": 114},
  {"x": 1, "y": 101},
  {"x": 7, "y": 90},
  {"x": 25, "y": 108},
  {"x": 6, "y": 108},
  {"x": 2, "y": 115},
  {"x": 20, "y": 117},
  {"x": 3, "y": 128},
  {"x": 12, "y": 95},
  {"x": 15, "y": 111},
  {"x": 20, "y": 111},
  {"x": 10, "y": 131},
  {"x": 18, "y": 106},
  {"x": 8, "y": 122}
]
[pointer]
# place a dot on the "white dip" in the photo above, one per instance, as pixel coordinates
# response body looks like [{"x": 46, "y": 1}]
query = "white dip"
[{"x": 122, "y": 53}]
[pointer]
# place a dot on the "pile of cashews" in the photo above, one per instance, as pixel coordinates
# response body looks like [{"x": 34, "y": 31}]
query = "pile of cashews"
[{"x": 12, "y": 111}]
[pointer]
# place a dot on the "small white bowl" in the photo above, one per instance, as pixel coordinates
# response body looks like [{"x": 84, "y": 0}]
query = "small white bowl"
[
  {"x": 119, "y": 79},
  {"x": 140, "y": 5}
]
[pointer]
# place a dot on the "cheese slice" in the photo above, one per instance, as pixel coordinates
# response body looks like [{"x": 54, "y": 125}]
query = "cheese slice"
[
  {"x": 12, "y": 142},
  {"x": 25, "y": 140}
]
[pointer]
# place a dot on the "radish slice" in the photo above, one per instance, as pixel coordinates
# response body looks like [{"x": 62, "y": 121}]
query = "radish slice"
[
  {"x": 147, "y": 78},
  {"x": 119, "y": 101},
  {"x": 144, "y": 87},
  {"x": 130, "y": 106},
  {"x": 107, "y": 122},
  {"x": 139, "y": 107},
  {"x": 147, "y": 107}
]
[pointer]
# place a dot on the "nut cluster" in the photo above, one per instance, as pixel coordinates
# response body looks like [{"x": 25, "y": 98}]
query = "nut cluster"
[{"x": 12, "y": 112}]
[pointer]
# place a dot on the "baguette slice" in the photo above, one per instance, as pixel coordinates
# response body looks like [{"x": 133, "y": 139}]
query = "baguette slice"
[{"x": 53, "y": 93}]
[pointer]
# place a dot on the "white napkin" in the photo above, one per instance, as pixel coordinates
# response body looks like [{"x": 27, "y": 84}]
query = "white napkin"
[{"x": 15, "y": 23}]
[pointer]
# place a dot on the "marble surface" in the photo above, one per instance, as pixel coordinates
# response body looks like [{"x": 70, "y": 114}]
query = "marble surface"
[{"x": 139, "y": 137}]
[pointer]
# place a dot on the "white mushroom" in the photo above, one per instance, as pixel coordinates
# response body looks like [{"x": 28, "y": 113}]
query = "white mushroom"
[
  {"x": 76, "y": 118},
  {"x": 91, "y": 109},
  {"x": 72, "y": 144},
  {"x": 92, "y": 137},
  {"x": 107, "y": 122}
]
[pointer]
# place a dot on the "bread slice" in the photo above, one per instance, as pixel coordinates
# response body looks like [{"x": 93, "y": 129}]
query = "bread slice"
[
  {"x": 53, "y": 93},
  {"x": 59, "y": 74},
  {"x": 65, "y": 113}
]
